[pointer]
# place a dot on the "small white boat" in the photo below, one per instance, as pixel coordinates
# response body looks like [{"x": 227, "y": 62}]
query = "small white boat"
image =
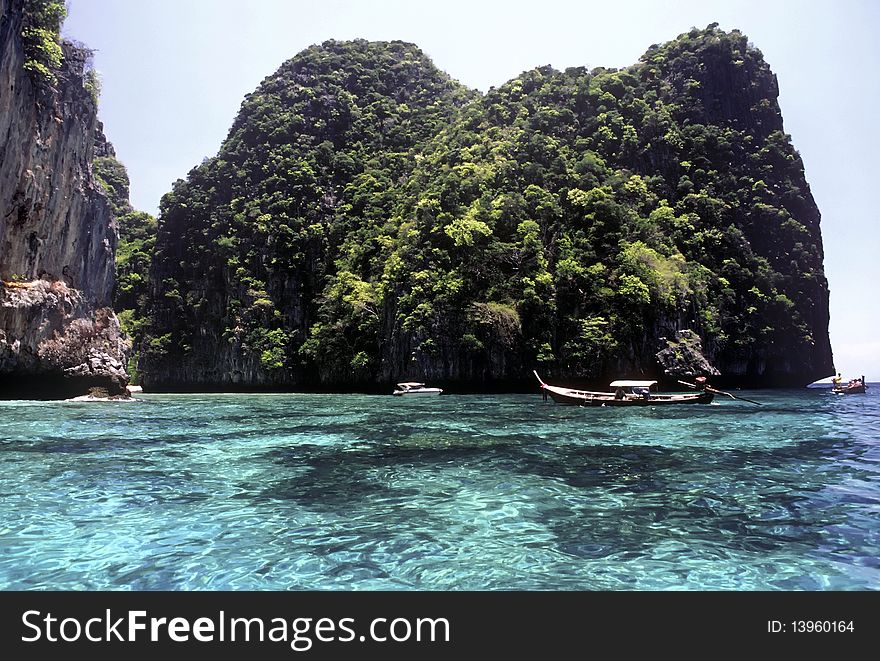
[{"x": 413, "y": 388}]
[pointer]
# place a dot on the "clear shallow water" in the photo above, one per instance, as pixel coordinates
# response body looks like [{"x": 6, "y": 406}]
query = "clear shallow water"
[{"x": 278, "y": 492}]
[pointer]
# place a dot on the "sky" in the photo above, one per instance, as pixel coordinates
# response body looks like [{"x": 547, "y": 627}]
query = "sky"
[{"x": 174, "y": 74}]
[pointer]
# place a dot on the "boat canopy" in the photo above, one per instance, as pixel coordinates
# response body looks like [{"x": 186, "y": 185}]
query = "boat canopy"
[
  {"x": 632, "y": 384},
  {"x": 411, "y": 384}
]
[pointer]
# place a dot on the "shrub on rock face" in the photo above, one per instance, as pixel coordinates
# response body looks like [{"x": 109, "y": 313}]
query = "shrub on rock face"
[{"x": 41, "y": 38}]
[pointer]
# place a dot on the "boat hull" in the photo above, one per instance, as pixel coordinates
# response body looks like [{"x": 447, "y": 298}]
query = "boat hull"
[
  {"x": 582, "y": 398},
  {"x": 425, "y": 392},
  {"x": 620, "y": 397},
  {"x": 850, "y": 390}
]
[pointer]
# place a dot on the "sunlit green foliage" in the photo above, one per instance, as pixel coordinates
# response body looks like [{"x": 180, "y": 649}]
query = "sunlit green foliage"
[{"x": 41, "y": 36}]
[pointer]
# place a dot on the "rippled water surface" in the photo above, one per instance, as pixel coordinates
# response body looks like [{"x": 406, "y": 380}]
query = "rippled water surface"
[{"x": 454, "y": 492}]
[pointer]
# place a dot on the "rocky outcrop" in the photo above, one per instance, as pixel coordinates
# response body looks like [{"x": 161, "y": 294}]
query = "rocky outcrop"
[
  {"x": 682, "y": 355},
  {"x": 57, "y": 232},
  {"x": 54, "y": 343}
]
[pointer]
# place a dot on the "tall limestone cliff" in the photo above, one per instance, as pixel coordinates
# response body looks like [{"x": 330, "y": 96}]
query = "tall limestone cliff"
[
  {"x": 629, "y": 217},
  {"x": 58, "y": 334},
  {"x": 367, "y": 220},
  {"x": 245, "y": 244}
]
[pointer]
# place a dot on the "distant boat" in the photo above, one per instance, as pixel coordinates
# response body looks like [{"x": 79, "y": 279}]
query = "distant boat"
[
  {"x": 624, "y": 393},
  {"x": 854, "y": 387},
  {"x": 413, "y": 388}
]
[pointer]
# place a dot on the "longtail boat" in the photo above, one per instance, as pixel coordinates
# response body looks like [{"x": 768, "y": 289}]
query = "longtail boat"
[
  {"x": 625, "y": 393},
  {"x": 854, "y": 387}
]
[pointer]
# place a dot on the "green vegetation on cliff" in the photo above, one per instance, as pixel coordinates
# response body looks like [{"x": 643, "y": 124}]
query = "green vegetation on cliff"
[
  {"x": 137, "y": 239},
  {"x": 368, "y": 218},
  {"x": 41, "y": 37},
  {"x": 313, "y": 160}
]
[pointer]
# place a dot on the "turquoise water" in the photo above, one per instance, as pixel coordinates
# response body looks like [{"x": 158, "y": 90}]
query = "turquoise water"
[{"x": 278, "y": 492}]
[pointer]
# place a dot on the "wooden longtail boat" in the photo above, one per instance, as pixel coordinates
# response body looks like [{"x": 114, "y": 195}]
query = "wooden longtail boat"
[
  {"x": 854, "y": 387},
  {"x": 624, "y": 393}
]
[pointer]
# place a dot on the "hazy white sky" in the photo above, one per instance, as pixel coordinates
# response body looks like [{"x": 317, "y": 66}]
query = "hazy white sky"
[{"x": 175, "y": 72}]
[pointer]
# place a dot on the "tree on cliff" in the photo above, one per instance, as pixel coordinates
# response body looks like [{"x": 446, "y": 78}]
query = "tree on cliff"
[{"x": 41, "y": 37}]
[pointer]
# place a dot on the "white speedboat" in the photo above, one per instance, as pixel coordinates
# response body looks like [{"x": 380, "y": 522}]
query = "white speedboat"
[{"x": 412, "y": 388}]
